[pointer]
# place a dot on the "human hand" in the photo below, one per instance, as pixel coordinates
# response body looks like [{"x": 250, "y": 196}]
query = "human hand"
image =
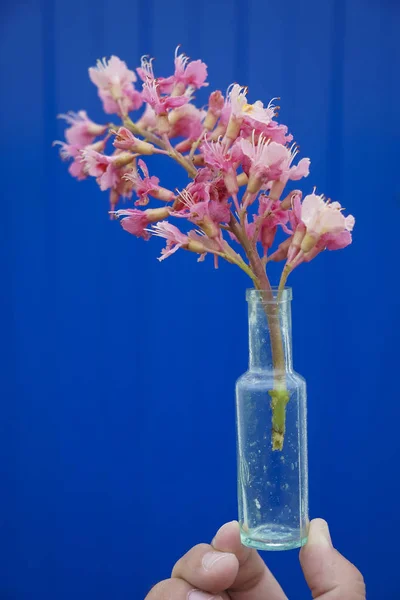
[{"x": 226, "y": 570}]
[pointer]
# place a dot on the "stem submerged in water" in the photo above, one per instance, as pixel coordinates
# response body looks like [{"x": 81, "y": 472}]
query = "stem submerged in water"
[
  {"x": 279, "y": 395},
  {"x": 279, "y": 399}
]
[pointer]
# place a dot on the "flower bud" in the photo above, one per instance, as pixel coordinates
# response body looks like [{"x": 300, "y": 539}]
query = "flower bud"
[
  {"x": 282, "y": 251},
  {"x": 231, "y": 183},
  {"x": 254, "y": 185},
  {"x": 215, "y": 106},
  {"x": 179, "y": 89},
  {"x": 163, "y": 125},
  {"x": 233, "y": 129},
  {"x": 163, "y": 194},
  {"x": 125, "y": 140},
  {"x": 242, "y": 179},
  {"x": 157, "y": 214},
  {"x": 184, "y": 146},
  {"x": 209, "y": 227},
  {"x": 123, "y": 159},
  {"x": 218, "y": 132},
  {"x": 196, "y": 246},
  {"x": 308, "y": 242},
  {"x": 287, "y": 202},
  {"x": 95, "y": 129},
  {"x": 296, "y": 242}
]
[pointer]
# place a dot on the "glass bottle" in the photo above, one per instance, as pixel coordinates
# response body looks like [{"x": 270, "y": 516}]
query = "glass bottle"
[{"x": 272, "y": 478}]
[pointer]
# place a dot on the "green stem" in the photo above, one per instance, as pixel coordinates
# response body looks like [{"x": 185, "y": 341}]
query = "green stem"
[
  {"x": 285, "y": 274},
  {"x": 236, "y": 259}
]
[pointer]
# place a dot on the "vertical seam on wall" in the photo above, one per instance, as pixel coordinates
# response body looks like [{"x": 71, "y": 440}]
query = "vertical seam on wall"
[
  {"x": 336, "y": 100},
  {"x": 242, "y": 44},
  {"x": 49, "y": 113},
  {"x": 146, "y": 25}
]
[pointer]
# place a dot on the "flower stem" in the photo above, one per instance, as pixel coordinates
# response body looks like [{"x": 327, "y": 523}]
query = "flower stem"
[
  {"x": 279, "y": 395},
  {"x": 179, "y": 157},
  {"x": 285, "y": 274},
  {"x": 196, "y": 144},
  {"x": 154, "y": 139}
]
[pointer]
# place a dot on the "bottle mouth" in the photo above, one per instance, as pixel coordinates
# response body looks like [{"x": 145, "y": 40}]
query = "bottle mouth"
[{"x": 272, "y": 296}]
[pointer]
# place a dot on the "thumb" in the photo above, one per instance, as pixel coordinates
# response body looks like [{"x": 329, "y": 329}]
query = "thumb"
[
  {"x": 253, "y": 580},
  {"x": 329, "y": 575}
]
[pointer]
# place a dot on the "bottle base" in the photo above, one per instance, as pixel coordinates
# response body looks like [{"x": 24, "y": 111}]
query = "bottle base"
[{"x": 272, "y": 537}]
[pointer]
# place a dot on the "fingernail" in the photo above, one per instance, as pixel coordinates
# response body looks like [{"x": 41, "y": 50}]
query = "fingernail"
[
  {"x": 230, "y": 524},
  {"x": 211, "y": 558},
  {"x": 319, "y": 534},
  {"x": 198, "y": 595}
]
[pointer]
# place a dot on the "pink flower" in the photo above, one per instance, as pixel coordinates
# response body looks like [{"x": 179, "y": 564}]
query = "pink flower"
[
  {"x": 322, "y": 217},
  {"x": 270, "y": 162},
  {"x": 267, "y": 161},
  {"x": 125, "y": 140},
  {"x": 175, "y": 238},
  {"x": 145, "y": 71},
  {"x": 115, "y": 85},
  {"x": 218, "y": 156},
  {"x": 298, "y": 228},
  {"x": 337, "y": 241},
  {"x": 148, "y": 120},
  {"x": 223, "y": 122},
  {"x": 161, "y": 104},
  {"x": 107, "y": 169},
  {"x": 207, "y": 214},
  {"x": 136, "y": 221},
  {"x": 131, "y": 100},
  {"x": 186, "y": 122},
  {"x": 272, "y": 131},
  {"x": 256, "y": 113},
  {"x": 147, "y": 186},
  {"x": 190, "y": 73},
  {"x": 122, "y": 189},
  {"x": 216, "y": 103},
  {"x": 276, "y": 133},
  {"x": 329, "y": 241},
  {"x": 237, "y": 99},
  {"x": 295, "y": 213},
  {"x": 322, "y": 225},
  {"x": 281, "y": 252},
  {"x": 226, "y": 113},
  {"x": 194, "y": 242},
  {"x": 244, "y": 114},
  {"x": 206, "y": 186},
  {"x": 82, "y": 130},
  {"x": 76, "y": 168},
  {"x": 199, "y": 189},
  {"x": 187, "y": 74},
  {"x": 271, "y": 215},
  {"x": 111, "y": 75}
]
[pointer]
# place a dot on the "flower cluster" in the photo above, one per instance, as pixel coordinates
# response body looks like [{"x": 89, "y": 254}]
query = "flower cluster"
[{"x": 238, "y": 157}]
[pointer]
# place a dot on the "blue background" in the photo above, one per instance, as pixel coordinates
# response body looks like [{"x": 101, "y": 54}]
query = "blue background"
[{"x": 117, "y": 436}]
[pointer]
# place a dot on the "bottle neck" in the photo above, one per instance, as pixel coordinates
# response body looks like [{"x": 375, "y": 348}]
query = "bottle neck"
[{"x": 266, "y": 320}]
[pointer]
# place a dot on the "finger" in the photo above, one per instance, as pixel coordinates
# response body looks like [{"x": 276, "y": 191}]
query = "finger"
[
  {"x": 329, "y": 575},
  {"x": 206, "y": 569},
  {"x": 177, "y": 589},
  {"x": 253, "y": 580}
]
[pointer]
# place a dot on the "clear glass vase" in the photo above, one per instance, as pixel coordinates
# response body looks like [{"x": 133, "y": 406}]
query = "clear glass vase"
[{"x": 271, "y": 431}]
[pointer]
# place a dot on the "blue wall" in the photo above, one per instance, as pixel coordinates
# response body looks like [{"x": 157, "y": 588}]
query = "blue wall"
[{"x": 117, "y": 419}]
